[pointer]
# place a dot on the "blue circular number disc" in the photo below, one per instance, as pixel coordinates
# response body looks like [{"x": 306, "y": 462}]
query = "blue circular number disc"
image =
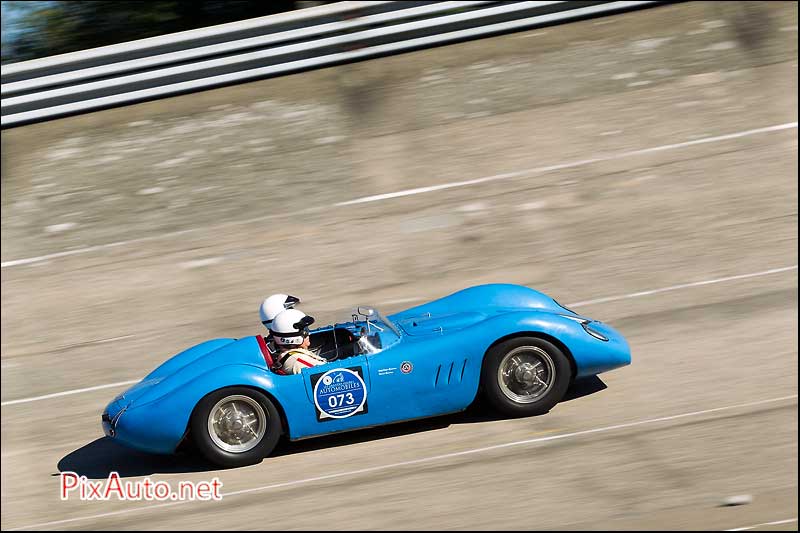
[{"x": 339, "y": 393}]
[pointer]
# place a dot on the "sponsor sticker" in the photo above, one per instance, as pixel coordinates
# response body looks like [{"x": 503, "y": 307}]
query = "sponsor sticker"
[
  {"x": 406, "y": 367},
  {"x": 339, "y": 393}
]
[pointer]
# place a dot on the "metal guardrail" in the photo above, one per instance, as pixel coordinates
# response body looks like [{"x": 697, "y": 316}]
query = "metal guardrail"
[{"x": 258, "y": 48}]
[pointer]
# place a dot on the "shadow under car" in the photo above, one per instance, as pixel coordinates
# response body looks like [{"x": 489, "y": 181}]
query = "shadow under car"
[{"x": 97, "y": 459}]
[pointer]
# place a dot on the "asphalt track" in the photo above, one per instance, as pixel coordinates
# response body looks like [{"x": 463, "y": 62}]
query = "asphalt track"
[{"x": 691, "y": 252}]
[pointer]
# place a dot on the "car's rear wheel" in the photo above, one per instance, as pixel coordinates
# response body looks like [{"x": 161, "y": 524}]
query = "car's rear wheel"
[
  {"x": 235, "y": 426},
  {"x": 525, "y": 376}
]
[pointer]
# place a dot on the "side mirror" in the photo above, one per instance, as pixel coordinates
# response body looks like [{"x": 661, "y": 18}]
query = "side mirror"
[{"x": 366, "y": 311}]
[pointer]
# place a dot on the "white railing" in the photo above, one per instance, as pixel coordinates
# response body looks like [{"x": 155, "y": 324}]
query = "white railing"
[{"x": 257, "y": 48}]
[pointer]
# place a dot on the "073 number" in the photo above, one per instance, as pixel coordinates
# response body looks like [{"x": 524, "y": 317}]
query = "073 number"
[{"x": 339, "y": 400}]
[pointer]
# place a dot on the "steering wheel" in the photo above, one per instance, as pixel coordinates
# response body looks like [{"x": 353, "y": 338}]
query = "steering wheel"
[{"x": 330, "y": 355}]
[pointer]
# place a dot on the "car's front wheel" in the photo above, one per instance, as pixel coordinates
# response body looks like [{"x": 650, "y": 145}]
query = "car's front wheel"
[
  {"x": 235, "y": 426},
  {"x": 525, "y": 376}
]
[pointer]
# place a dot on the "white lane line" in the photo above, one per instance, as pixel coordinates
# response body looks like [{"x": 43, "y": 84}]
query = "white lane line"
[
  {"x": 67, "y": 393},
  {"x": 682, "y": 286},
  {"x": 424, "y": 460},
  {"x": 420, "y": 190},
  {"x": 776, "y": 523},
  {"x": 577, "y": 304},
  {"x": 87, "y": 249},
  {"x": 539, "y": 170},
  {"x": 102, "y": 341},
  {"x": 643, "y": 293}
]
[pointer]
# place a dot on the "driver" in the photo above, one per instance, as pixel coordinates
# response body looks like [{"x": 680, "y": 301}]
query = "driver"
[
  {"x": 290, "y": 333},
  {"x": 270, "y": 308}
]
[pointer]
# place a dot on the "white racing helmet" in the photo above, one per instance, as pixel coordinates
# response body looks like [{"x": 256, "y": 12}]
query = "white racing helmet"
[
  {"x": 273, "y": 305},
  {"x": 290, "y": 327}
]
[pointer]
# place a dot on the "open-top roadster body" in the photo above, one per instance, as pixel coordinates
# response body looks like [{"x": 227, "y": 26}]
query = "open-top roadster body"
[{"x": 518, "y": 346}]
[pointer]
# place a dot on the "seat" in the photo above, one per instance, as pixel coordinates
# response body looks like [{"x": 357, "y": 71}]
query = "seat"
[{"x": 268, "y": 359}]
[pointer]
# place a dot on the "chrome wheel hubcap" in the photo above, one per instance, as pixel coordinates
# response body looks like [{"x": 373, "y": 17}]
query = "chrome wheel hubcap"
[
  {"x": 237, "y": 423},
  {"x": 526, "y": 374}
]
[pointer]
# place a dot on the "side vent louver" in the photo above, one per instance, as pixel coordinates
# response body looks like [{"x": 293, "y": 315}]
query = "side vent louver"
[{"x": 454, "y": 374}]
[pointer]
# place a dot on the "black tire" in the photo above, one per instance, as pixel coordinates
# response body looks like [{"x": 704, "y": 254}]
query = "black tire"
[
  {"x": 214, "y": 452},
  {"x": 530, "y": 348}
]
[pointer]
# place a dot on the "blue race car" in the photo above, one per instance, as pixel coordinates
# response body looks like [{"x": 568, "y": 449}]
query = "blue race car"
[{"x": 518, "y": 346}]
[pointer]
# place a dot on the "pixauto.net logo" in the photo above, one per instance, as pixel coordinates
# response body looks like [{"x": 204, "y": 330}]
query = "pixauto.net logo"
[{"x": 82, "y": 488}]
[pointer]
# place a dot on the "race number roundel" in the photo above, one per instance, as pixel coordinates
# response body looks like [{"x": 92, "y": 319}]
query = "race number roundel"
[{"x": 339, "y": 393}]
